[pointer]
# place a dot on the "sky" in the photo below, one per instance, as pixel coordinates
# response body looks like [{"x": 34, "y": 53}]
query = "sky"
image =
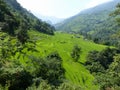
[{"x": 59, "y": 8}]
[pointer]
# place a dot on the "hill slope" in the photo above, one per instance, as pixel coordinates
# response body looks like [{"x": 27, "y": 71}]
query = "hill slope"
[
  {"x": 94, "y": 23},
  {"x": 27, "y": 18}
]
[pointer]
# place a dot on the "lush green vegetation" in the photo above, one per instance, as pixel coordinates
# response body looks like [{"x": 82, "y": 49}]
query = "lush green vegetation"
[
  {"x": 34, "y": 57},
  {"x": 64, "y": 44},
  {"x": 27, "y": 59},
  {"x": 30, "y": 57},
  {"x": 104, "y": 66}
]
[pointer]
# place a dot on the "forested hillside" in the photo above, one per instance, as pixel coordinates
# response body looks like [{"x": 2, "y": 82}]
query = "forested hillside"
[
  {"x": 95, "y": 23},
  {"x": 27, "y": 19},
  {"x": 15, "y": 45}
]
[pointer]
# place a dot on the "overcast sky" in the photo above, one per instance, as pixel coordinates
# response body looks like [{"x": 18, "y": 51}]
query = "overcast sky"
[{"x": 59, "y": 8}]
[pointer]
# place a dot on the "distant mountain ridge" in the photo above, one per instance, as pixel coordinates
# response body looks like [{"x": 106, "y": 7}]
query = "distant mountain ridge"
[
  {"x": 49, "y": 19},
  {"x": 105, "y": 6},
  {"x": 94, "y": 23}
]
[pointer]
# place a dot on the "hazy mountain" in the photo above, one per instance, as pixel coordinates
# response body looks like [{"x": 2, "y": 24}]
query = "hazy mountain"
[
  {"x": 95, "y": 23},
  {"x": 49, "y": 19},
  {"x": 106, "y": 8}
]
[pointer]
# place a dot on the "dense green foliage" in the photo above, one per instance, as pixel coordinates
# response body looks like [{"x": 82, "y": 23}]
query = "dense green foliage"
[
  {"x": 9, "y": 23},
  {"x": 18, "y": 77},
  {"x": 95, "y": 24},
  {"x": 104, "y": 66},
  {"x": 50, "y": 69},
  {"x": 7, "y": 20}
]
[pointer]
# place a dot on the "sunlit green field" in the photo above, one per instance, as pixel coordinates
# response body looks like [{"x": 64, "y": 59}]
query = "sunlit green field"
[{"x": 63, "y": 43}]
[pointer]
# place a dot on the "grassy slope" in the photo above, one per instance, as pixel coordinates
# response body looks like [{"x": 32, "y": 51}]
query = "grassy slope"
[{"x": 63, "y": 44}]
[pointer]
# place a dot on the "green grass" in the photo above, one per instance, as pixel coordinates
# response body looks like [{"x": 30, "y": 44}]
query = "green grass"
[{"x": 63, "y": 43}]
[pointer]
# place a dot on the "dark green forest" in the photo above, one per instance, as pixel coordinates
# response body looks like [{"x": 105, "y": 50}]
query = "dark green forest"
[
  {"x": 104, "y": 66},
  {"x": 35, "y": 55}
]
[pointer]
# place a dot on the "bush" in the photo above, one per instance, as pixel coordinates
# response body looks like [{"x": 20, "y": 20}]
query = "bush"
[
  {"x": 50, "y": 69},
  {"x": 75, "y": 54},
  {"x": 18, "y": 78}
]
